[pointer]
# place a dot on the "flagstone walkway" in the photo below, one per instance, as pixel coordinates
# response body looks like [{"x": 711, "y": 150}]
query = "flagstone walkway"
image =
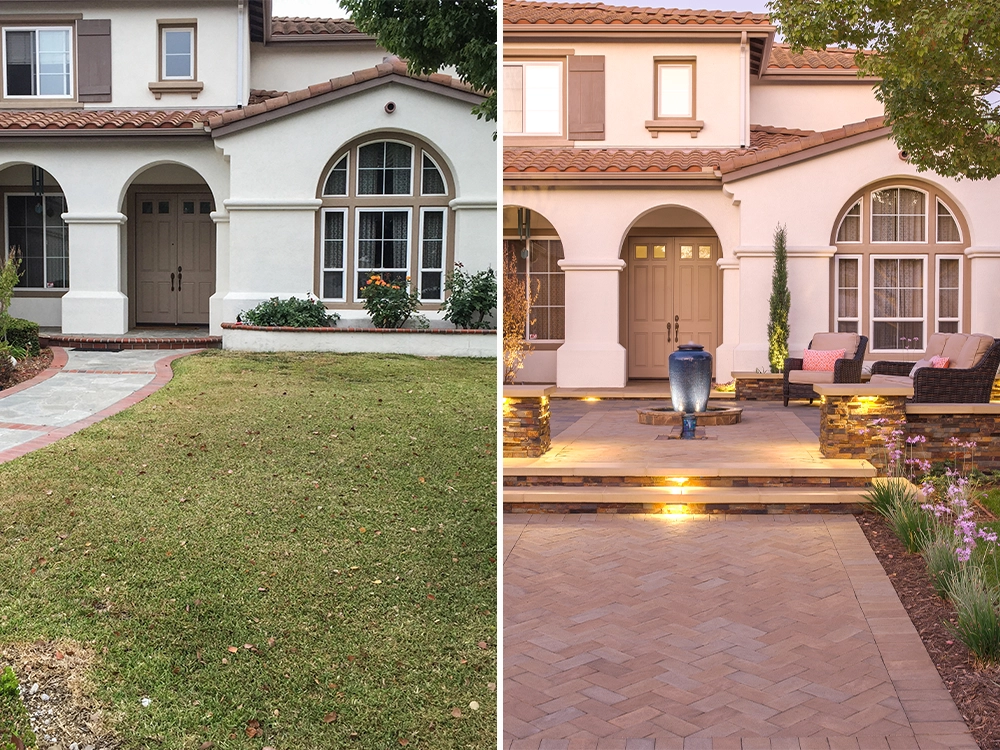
[
  {"x": 645, "y": 632},
  {"x": 77, "y": 390}
]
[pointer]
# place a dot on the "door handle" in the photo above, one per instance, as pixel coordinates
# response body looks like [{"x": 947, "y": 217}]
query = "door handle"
[
  {"x": 178, "y": 278},
  {"x": 677, "y": 328},
  {"x": 171, "y": 282},
  {"x": 668, "y": 331}
]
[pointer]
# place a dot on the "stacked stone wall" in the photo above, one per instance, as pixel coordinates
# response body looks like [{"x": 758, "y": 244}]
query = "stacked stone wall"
[
  {"x": 759, "y": 389},
  {"x": 526, "y": 431}
]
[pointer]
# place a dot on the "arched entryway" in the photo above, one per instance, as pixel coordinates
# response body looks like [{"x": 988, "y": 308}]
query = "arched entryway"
[
  {"x": 670, "y": 290},
  {"x": 537, "y": 250},
  {"x": 171, "y": 247},
  {"x": 32, "y": 208}
]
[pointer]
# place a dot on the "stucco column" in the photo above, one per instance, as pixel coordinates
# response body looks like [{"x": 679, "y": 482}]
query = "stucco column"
[
  {"x": 984, "y": 269},
  {"x": 95, "y": 302},
  {"x": 591, "y": 356},
  {"x": 216, "y": 301},
  {"x": 475, "y": 232},
  {"x": 729, "y": 269}
]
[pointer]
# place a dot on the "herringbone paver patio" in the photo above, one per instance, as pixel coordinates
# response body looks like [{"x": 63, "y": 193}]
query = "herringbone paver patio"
[{"x": 771, "y": 632}]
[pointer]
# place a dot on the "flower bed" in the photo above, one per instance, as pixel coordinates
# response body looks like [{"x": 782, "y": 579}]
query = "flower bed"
[{"x": 421, "y": 342}]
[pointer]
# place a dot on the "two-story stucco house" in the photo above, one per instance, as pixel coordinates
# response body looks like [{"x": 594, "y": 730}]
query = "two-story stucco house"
[
  {"x": 652, "y": 153},
  {"x": 169, "y": 162}
]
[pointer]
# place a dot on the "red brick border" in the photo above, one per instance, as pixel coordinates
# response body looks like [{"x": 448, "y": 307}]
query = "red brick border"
[
  {"x": 289, "y": 329},
  {"x": 163, "y": 375}
]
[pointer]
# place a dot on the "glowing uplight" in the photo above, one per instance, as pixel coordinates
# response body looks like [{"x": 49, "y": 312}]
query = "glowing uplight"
[
  {"x": 591, "y": 398},
  {"x": 679, "y": 481},
  {"x": 675, "y": 510}
]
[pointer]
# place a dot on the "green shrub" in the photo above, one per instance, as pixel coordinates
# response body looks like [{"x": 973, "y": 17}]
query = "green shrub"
[
  {"x": 472, "y": 300},
  {"x": 941, "y": 558},
  {"x": 13, "y": 717},
  {"x": 23, "y": 334},
  {"x": 884, "y": 494},
  {"x": 977, "y": 621},
  {"x": 910, "y": 523},
  {"x": 290, "y": 313},
  {"x": 781, "y": 302},
  {"x": 389, "y": 303}
]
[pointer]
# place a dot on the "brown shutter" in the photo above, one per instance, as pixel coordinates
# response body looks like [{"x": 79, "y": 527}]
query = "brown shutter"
[
  {"x": 586, "y": 97},
  {"x": 93, "y": 54}
]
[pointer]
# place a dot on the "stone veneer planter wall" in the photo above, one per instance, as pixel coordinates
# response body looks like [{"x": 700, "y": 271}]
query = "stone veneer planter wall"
[
  {"x": 526, "y": 421},
  {"x": 422, "y": 342},
  {"x": 995, "y": 395},
  {"x": 976, "y": 423},
  {"x": 758, "y": 386}
]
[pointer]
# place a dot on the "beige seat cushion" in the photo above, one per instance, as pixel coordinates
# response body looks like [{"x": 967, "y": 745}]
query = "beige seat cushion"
[
  {"x": 935, "y": 345},
  {"x": 953, "y": 347},
  {"x": 827, "y": 342},
  {"x": 891, "y": 380},
  {"x": 975, "y": 347},
  {"x": 810, "y": 376}
]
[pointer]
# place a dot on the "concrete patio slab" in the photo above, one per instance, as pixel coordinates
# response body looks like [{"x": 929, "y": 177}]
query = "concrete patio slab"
[{"x": 714, "y": 631}]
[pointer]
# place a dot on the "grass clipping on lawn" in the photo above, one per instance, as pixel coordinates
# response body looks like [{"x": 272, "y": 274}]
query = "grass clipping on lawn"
[{"x": 293, "y": 550}]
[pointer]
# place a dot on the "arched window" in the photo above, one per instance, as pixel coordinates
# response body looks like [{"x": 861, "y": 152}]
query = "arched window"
[
  {"x": 385, "y": 211},
  {"x": 898, "y": 274}
]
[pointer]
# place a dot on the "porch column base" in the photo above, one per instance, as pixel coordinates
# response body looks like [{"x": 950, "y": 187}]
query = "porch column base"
[
  {"x": 101, "y": 313},
  {"x": 596, "y": 365}
]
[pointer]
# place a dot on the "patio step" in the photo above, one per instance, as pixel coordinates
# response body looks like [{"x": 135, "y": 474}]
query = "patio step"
[
  {"x": 120, "y": 343},
  {"x": 610, "y": 499}
]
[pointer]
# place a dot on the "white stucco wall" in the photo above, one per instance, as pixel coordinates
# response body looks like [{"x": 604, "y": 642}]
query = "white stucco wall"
[
  {"x": 812, "y": 106},
  {"x": 290, "y": 66},
  {"x": 134, "y": 42},
  {"x": 629, "y": 86},
  {"x": 273, "y": 221}
]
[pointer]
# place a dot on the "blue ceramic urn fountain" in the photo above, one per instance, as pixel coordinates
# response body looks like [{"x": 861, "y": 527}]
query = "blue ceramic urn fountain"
[{"x": 690, "y": 372}]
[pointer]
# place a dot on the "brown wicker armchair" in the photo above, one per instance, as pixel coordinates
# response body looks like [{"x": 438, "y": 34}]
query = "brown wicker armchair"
[
  {"x": 971, "y": 385},
  {"x": 845, "y": 370}
]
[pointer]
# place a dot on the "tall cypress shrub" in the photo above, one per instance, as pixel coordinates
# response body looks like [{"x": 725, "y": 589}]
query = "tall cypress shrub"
[{"x": 781, "y": 300}]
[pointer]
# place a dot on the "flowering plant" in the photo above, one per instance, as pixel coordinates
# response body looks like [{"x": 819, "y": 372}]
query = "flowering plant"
[{"x": 389, "y": 303}]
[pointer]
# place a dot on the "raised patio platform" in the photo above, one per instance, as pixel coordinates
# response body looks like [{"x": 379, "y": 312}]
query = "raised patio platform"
[{"x": 162, "y": 337}]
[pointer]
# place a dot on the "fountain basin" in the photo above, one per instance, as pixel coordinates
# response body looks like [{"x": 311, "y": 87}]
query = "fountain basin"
[{"x": 712, "y": 417}]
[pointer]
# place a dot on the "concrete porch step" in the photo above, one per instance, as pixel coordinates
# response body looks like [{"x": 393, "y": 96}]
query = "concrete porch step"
[
  {"x": 762, "y": 500},
  {"x": 130, "y": 341}
]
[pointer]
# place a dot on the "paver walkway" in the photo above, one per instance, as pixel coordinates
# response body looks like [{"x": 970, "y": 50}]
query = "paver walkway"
[
  {"x": 649, "y": 632},
  {"x": 77, "y": 390}
]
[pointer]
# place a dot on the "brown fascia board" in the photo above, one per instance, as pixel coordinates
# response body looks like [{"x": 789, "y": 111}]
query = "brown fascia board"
[
  {"x": 765, "y": 55},
  {"x": 315, "y": 101},
  {"x": 806, "y": 154},
  {"x": 815, "y": 75},
  {"x": 607, "y": 179},
  {"x": 344, "y": 40},
  {"x": 560, "y": 33}
]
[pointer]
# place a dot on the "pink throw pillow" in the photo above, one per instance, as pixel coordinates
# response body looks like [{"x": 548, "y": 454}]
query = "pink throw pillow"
[
  {"x": 940, "y": 362},
  {"x": 817, "y": 359}
]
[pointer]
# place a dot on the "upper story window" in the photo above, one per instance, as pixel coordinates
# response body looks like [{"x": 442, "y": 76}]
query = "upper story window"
[
  {"x": 899, "y": 215},
  {"x": 674, "y": 89},
  {"x": 385, "y": 211},
  {"x": 177, "y": 45},
  {"x": 533, "y": 97},
  {"x": 38, "y": 62}
]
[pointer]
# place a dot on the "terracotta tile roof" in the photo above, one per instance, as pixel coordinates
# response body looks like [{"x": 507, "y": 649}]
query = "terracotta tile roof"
[
  {"x": 767, "y": 143},
  {"x": 89, "y": 119},
  {"x": 391, "y": 67},
  {"x": 262, "y": 95},
  {"x": 833, "y": 58},
  {"x": 298, "y": 26},
  {"x": 524, "y": 12}
]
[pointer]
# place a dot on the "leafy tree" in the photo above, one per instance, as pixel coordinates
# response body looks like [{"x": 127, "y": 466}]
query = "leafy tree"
[
  {"x": 432, "y": 34},
  {"x": 939, "y": 65},
  {"x": 781, "y": 301}
]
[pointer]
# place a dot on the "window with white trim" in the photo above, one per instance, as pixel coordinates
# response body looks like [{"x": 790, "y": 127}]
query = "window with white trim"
[
  {"x": 848, "y": 299},
  {"x": 177, "y": 53},
  {"x": 533, "y": 98},
  {"x": 38, "y": 62},
  {"x": 385, "y": 211},
  {"x": 898, "y": 302},
  {"x": 540, "y": 271},
  {"x": 36, "y": 228},
  {"x": 949, "y": 293},
  {"x": 899, "y": 215},
  {"x": 674, "y": 89},
  {"x": 850, "y": 225},
  {"x": 947, "y": 227}
]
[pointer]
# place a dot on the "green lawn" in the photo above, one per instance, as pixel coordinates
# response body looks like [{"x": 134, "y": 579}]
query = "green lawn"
[{"x": 337, "y": 513}]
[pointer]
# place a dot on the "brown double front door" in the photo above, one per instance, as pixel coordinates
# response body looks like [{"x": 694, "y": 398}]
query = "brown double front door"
[
  {"x": 175, "y": 259},
  {"x": 673, "y": 298}
]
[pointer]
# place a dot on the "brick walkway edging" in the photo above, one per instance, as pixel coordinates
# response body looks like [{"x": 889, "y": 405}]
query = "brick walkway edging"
[{"x": 163, "y": 375}]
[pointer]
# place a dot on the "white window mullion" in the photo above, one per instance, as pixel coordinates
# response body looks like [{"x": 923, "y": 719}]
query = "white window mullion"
[
  {"x": 948, "y": 294},
  {"x": 433, "y": 242},
  {"x": 847, "y": 314}
]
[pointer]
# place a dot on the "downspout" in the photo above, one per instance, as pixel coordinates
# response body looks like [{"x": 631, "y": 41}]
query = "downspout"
[
  {"x": 240, "y": 56},
  {"x": 744, "y": 85}
]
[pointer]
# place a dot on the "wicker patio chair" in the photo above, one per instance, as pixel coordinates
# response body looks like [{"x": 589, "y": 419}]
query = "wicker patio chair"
[
  {"x": 971, "y": 385},
  {"x": 845, "y": 370}
]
